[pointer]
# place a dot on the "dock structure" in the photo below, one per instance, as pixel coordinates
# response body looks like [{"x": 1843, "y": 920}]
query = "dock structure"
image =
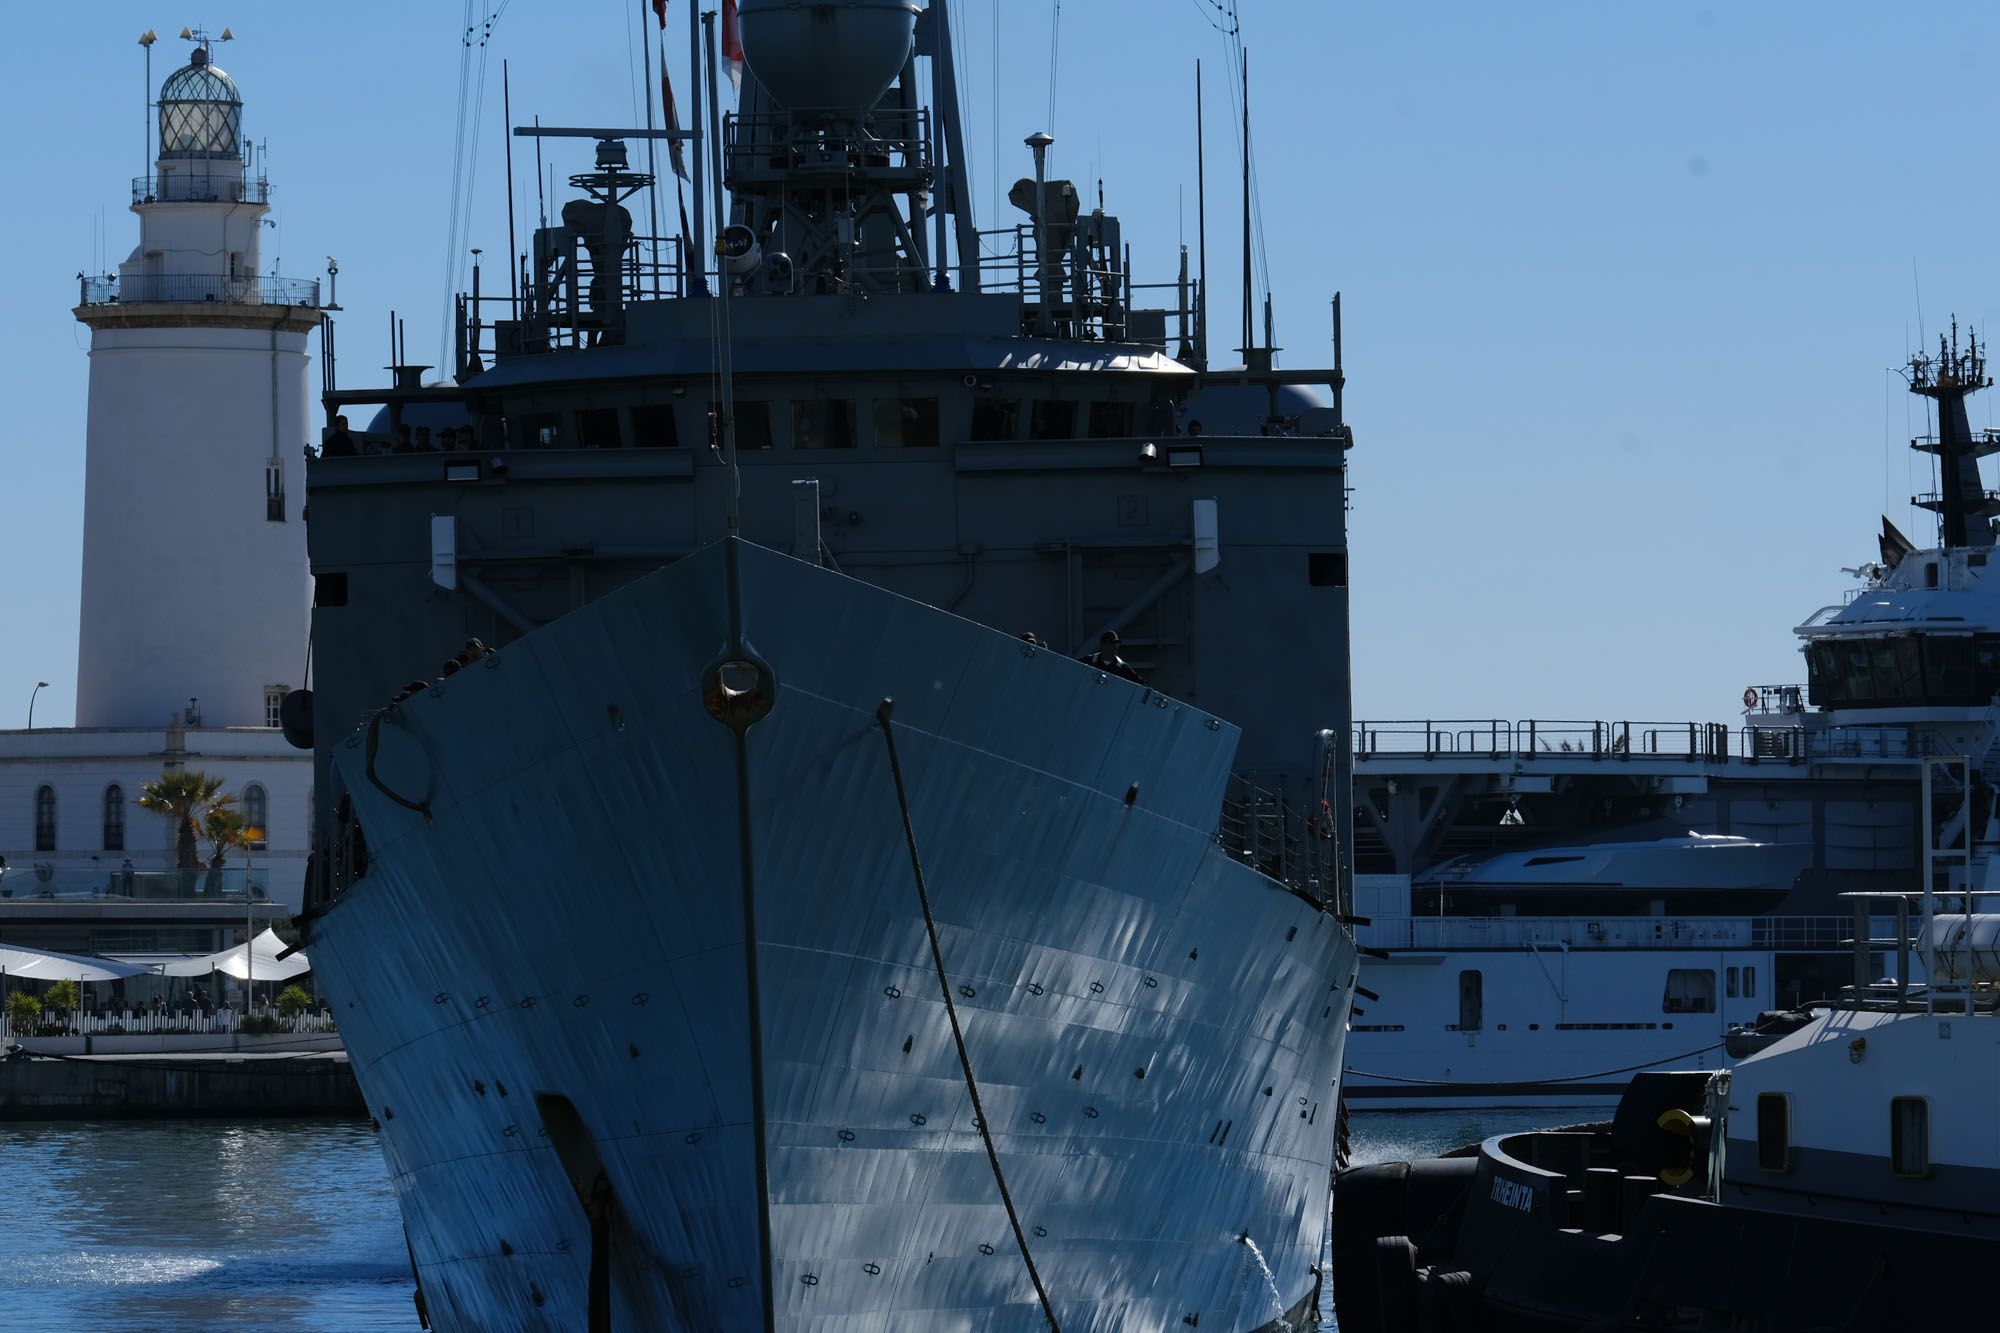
[{"x": 189, "y": 1084}]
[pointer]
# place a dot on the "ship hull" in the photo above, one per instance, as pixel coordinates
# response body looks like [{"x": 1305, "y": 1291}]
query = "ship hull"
[{"x": 542, "y": 978}]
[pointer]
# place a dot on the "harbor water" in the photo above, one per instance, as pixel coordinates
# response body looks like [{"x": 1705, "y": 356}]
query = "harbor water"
[{"x": 291, "y": 1227}]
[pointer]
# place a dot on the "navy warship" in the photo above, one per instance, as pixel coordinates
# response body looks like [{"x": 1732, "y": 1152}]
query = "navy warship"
[{"x": 762, "y": 918}]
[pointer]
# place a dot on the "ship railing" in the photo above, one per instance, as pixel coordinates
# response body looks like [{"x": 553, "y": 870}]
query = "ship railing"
[
  {"x": 1687, "y": 742},
  {"x": 1778, "y": 934},
  {"x": 196, "y": 289},
  {"x": 1100, "y": 297},
  {"x": 1280, "y": 832},
  {"x": 1777, "y": 700},
  {"x": 193, "y": 187},
  {"x": 556, "y": 311},
  {"x": 893, "y": 142}
]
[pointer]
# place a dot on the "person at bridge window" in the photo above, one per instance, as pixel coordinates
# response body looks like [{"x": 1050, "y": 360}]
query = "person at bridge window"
[{"x": 1106, "y": 659}]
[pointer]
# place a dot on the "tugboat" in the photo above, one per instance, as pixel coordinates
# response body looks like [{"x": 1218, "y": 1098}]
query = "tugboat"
[
  {"x": 1827, "y": 1182},
  {"x": 1554, "y": 905},
  {"x": 762, "y": 919}
]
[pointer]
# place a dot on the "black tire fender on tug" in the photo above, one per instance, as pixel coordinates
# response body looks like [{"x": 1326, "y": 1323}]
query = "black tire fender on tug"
[
  {"x": 1395, "y": 1283},
  {"x": 1415, "y": 1202},
  {"x": 1445, "y": 1301}
]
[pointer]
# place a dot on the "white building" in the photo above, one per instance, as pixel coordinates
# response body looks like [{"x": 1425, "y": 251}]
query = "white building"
[{"x": 194, "y": 617}]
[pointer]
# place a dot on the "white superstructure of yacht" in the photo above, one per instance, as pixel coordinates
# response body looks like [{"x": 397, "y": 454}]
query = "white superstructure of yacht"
[{"x": 1552, "y": 906}]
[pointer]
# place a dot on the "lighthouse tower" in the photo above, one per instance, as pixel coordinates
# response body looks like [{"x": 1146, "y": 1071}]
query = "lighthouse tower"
[{"x": 195, "y": 584}]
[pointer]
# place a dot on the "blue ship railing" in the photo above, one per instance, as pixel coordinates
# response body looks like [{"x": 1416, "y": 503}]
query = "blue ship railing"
[
  {"x": 1611, "y": 742},
  {"x": 197, "y": 289}
]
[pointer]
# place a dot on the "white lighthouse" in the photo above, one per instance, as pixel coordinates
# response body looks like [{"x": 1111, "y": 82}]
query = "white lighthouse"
[{"x": 195, "y": 583}]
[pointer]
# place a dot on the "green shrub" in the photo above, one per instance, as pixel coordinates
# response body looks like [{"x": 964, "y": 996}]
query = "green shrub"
[
  {"x": 24, "y": 1013},
  {"x": 62, "y": 996},
  {"x": 294, "y": 1000},
  {"x": 261, "y": 1025}
]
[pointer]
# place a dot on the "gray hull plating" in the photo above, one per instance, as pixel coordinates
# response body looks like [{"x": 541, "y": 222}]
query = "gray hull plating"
[{"x": 1156, "y": 1028}]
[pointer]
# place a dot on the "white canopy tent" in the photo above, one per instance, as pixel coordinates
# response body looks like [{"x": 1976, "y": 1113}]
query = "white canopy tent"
[
  {"x": 263, "y": 965},
  {"x": 23, "y": 964}
]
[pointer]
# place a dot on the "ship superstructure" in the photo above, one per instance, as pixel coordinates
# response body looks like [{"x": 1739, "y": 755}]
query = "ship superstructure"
[
  {"x": 1563, "y": 902},
  {"x": 769, "y": 923}
]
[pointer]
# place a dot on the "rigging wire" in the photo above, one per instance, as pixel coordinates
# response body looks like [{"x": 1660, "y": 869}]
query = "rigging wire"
[
  {"x": 1055, "y": 67},
  {"x": 475, "y": 38},
  {"x": 1539, "y": 1082}
]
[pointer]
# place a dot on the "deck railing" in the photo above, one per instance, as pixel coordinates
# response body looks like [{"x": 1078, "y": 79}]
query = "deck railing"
[
  {"x": 1611, "y": 742},
  {"x": 1805, "y": 934},
  {"x": 196, "y": 289}
]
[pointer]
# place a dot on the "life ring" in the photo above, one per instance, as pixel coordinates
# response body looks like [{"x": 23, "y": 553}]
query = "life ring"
[{"x": 1749, "y": 696}]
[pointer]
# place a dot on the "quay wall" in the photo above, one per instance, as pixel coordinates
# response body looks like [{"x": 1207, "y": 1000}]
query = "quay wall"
[{"x": 96, "y": 1088}]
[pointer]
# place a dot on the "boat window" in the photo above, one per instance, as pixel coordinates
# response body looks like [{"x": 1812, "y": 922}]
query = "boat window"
[
  {"x": 1910, "y": 1136},
  {"x": 1750, "y": 982},
  {"x": 1110, "y": 421},
  {"x": 1947, "y": 667},
  {"x": 1774, "y": 1131},
  {"x": 114, "y": 818},
  {"x": 1690, "y": 990},
  {"x": 1930, "y": 574},
  {"x": 906, "y": 422},
  {"x": 753, "y": 424},
  {"x": 995, "y": 419},
  {"x": 1471, "y": 1001},
  {"x": 597, "y": 428},
  {"x": 45, "y": 819},
  {"x": 823, "y": 423},
  {"x": 1986, "y": 666},
  {"x": 1729, "y": 982},
  {"x": 653, "y": 427},
  {"x": 540, "y": 430},
  {"x": 1052, "y": 419}
]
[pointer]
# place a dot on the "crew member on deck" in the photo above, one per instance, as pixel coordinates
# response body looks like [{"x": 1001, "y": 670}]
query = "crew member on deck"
[{"x": 1106, "y": 659}]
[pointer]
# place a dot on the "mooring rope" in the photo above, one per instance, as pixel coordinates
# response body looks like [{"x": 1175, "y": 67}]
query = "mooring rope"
[{"x": 951, "y": 1012}]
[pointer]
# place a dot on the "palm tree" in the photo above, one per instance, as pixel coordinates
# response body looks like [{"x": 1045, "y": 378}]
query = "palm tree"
[
  {"x": 185, "y": 796},
  {"x": 225, "y": 828}
]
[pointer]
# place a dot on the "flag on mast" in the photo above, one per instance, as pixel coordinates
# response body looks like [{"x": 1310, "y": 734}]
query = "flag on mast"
[
  {"x": 675, "y": 152},
  {"x": 732, "y": 45}
]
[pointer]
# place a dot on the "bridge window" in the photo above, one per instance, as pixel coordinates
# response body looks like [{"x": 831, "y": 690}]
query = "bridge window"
[
  {"x": 906, "y": 422},
  {"x": 1690, "y": 990},
  {"x": 753, "y": 424},
  {"x": 597, "y": 428},
  {"x": 823, "y": 423},
  {"x": 1904, "y": 670},
  {"x": 1110, "y": 421},
  {"x": 45, "y": 819},
  {"x": 1774, "y": 1131},
  {"x": 1052, "y": 419},
  {"x": 1910, "y": 1136},
  {"x": 995, "y": 419},
  {"x": 653, "y": 427}
]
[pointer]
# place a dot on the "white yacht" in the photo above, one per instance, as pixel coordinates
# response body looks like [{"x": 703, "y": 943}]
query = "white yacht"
[
  {"x": 1820, "y": 1184},
  {"x": 1552, "y": 906}
]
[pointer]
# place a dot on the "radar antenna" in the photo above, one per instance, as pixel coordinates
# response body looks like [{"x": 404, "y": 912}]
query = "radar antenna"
[{"x": 1965, "y": 508}]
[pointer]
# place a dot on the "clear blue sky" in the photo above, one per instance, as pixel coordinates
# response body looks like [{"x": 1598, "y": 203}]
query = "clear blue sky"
[{"x": 1623, "y": 283}]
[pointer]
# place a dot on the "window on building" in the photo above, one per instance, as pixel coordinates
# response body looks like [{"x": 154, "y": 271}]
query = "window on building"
[
  {"x": 823, "y": 423},
  {"x": 1774, "y": 1131},
  {"x": 995, "y": 419},
  {"x": 1690, "y": 990},
  {"x": 257, "y": 813},
  {"x": 653, "y": 427},
  {"x": 114, "y": 818},
  {"x": 274, "y": 491},
  {"x": 274, "y": 705},
  {"x": 910, "y": 423},
  {"x": 1471, "y": 1001},
  {"x": 45, "y": 818},
  {"x": 1052, "y": 419},
  {"x": 1910, "y": 1136}
]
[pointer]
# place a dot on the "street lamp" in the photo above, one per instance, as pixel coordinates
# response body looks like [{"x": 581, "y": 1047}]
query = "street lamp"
[{"x": 40, "y": 685}]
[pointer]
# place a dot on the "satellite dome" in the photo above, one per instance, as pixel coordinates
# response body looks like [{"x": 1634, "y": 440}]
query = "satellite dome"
[
  {"x": 827, "y": 55},
  {"x": 201, "y": 112}
]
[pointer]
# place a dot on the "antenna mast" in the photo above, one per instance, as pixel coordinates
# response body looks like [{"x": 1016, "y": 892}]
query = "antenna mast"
[
  {"x": 1201, "y": 220},
  {"x": 1962, "y": 503}
]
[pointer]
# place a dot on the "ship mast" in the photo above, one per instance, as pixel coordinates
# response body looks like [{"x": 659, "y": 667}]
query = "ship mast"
[{"x": 1962, "y": 503}]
